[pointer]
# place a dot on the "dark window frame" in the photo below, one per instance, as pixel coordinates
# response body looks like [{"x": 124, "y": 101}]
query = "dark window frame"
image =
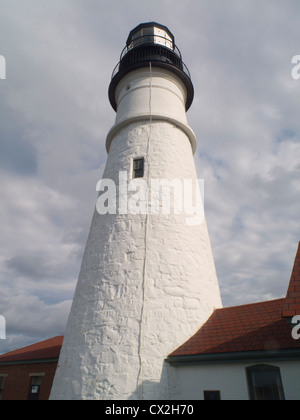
[
  {"x": 35, "y": 387},
  {"x": 3, "y": 378},
  {"x": 212, "y": 395},
  {"x": 138, "y": 168},
  {"x": 265, "y": 383}
]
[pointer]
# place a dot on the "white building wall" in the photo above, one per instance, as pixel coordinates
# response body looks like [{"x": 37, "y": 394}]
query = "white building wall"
[
  {"x": 290, "y": 375},
  {"x": 190, "y": 381}
]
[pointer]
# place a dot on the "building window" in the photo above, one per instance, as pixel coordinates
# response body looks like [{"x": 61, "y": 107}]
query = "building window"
[
  {"x": 138, "y": 168},
  {"x": 212, "y": 395},
  {"x": 35, "y": 385},
  {"x": 2, "y": 382},
  {"x": 264, "y": 382}
]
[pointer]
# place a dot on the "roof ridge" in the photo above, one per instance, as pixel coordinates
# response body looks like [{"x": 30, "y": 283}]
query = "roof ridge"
[{"x": 249, "y": 304}]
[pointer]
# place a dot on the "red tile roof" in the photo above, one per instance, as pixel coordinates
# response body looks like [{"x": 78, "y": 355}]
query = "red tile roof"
[
  {"x": 255, "y": 327},
  {"x": 48, "y": 349}
]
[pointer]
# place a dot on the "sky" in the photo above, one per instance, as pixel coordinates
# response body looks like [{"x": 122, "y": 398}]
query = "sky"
[{"x": 55, "y": 115}]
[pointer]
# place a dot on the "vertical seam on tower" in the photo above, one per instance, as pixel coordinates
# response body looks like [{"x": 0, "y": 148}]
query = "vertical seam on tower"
[{"x": 140, "y": 374}]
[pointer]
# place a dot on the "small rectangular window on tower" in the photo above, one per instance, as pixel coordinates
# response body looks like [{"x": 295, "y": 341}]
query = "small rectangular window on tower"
[{"x": 138, "y": 168}]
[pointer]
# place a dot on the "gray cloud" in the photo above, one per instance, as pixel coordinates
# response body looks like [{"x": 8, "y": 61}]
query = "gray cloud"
[
  {"x": 16, "y": 153},
  {"x": 27, "y": 266}
]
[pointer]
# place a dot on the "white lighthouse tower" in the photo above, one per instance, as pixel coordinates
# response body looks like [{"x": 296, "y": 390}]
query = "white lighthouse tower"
[{"x": 148, "y": 279}]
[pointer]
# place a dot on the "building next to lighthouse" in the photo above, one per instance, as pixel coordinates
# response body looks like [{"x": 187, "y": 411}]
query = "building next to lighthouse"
[{"x": 148, "y": 279}]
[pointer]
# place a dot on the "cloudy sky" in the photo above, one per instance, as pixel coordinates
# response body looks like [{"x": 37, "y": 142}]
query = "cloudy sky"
[{"x": 55, "y": 114}]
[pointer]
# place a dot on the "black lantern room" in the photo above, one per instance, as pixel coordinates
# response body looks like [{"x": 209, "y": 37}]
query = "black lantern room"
[{"x": 151, "y": 42}]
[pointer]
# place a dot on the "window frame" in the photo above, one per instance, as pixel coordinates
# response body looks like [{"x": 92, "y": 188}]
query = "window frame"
[
  {"x": 260, "y": 370},
  {"x": 216, "y": 395},
  {"x": 134, "y": 175},
  {"x": 35, "y": 382},
  {"x": 3, "y": 378}
]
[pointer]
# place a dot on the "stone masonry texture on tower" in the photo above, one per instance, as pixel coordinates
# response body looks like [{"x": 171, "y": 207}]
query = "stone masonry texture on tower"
[{"x": 148, "y": 279}]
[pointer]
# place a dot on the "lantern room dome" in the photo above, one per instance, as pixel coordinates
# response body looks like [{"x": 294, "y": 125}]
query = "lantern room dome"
[{"x": 151, "y": 43}]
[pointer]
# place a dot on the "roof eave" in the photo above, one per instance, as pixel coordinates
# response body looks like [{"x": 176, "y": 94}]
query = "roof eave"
[
  {"x": 29, "y": 362},
  {"x": 235, "y": 357}
]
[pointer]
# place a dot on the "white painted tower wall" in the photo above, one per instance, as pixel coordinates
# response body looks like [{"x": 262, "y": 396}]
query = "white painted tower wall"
[{"x": 147, "y": 281}]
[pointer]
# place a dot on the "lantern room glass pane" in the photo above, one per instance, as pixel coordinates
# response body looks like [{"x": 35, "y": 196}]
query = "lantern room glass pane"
[
  {"x": 162, "y": 38},
  {"x": 151, "y": 35}
]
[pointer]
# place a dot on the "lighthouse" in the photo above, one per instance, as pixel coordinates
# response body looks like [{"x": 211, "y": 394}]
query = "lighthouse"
[{"x": 148, "y": 279}]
